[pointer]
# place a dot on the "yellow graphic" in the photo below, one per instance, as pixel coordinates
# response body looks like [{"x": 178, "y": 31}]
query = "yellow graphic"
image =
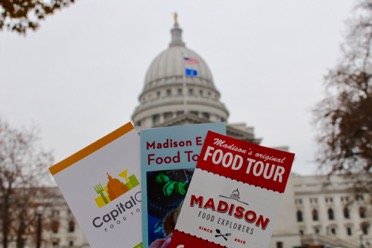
[
  {"x": 140, "y": 245},
  {"x": 114, "y": 188}
]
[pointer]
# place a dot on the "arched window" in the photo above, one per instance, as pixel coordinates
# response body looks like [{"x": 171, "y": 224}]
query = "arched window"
[
  {"x": 299, "y": 216},
  {"x": 71, "y": 226},
  {"x": 362, "y": 212},
  {"x": 331, "y": 214},
  {"x": 346, "y": 213},
  {"x": 314, "y": 213}
]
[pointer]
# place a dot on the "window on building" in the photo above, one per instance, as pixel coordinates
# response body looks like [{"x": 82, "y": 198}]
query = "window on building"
[
  {"x": 333, "y": 230},
  {"x": 362, "y": 212},
  {"x": 55, "y": 243},
  {"x": 194, "y": 113},
  {"x": 158, "y": 93},
  {"x": 71, "y": 226},
  {"x": 316, "y": 230},
  {"x": 169, "y": 92},
  {"x": 314, "y": 213},
  {"x": 331, "y": 214},
  {"x": 359, "y": 197},
  {"x": 301, "y": 232},
  {"x": 279, "y": 244},
  {"x": 364, "y": 227},
  {"x": 55, "y": 213},
  {"x": 156, "y": 119},
  {"x": 205, "y": 115},
  {"x": 71, "y": 243},
  {"x": 349, "y": 231},
  {"x": 346, "y": 213},
  {"x": 168, "y": 116},
  {"x": 179, "y": 113},
  {"x": 191, "y": 91},
  {"x": 54, "y": 226},
  {"x": 299, "y": 216},
  {"x": 179, "y": 91}
]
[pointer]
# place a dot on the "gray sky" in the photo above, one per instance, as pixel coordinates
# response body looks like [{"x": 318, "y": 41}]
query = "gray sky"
[{"x": 79, "y": 76}]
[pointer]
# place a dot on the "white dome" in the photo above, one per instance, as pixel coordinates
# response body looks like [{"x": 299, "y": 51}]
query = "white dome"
[{"x": 172, "y": 63}]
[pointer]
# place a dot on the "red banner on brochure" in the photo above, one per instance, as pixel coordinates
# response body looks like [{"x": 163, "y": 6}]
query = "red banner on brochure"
[{"x": 246, "y": 162}]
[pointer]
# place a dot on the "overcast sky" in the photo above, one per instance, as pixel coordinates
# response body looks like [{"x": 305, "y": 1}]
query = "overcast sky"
[{"x": 79, "y": 76}]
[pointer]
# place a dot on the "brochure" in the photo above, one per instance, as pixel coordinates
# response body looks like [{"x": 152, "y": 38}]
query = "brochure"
[
  {"x": 234, "y": 195},
  {"x": 102, "y": 188},
  {"x": 168, "y": 159}
]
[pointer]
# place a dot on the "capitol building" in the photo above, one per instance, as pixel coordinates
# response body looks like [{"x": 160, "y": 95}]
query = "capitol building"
[{"x": 315, "y": 211}]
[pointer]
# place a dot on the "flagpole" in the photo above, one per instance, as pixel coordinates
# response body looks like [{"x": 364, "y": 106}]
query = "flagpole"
[{"x": 184, "y": 92}]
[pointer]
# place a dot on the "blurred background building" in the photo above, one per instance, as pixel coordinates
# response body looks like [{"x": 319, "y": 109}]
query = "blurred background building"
[{"x": 316, "y": 211}]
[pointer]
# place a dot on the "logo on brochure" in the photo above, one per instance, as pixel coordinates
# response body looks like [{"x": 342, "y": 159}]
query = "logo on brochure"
[
  {"x": 235, "y": 195},
  {"x": 114, "y": 188}
]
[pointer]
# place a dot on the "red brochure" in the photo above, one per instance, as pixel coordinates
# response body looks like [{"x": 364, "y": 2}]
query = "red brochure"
[{"x": 234, "y": 195}]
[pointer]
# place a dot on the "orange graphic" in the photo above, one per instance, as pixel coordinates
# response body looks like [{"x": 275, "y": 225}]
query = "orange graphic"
[{"x": 114, "y": 188}]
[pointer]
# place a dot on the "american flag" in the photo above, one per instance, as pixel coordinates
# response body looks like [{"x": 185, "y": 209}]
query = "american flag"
[{"x": 189, "y": 60}]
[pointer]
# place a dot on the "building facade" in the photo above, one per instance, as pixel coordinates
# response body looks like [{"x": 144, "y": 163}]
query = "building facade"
[{"x": 330, "y": 212}]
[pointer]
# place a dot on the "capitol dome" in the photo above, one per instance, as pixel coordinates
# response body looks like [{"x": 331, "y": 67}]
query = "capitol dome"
[
  {"x": 178, "y": 82},
  {"x": 171, "y": 63}
]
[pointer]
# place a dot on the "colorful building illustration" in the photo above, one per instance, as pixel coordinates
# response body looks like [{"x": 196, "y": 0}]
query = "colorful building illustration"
[{"x": 114, "y": 188}]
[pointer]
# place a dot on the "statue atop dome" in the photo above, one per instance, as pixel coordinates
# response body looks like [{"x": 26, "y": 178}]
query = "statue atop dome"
[{"x": 175, "y": 18}]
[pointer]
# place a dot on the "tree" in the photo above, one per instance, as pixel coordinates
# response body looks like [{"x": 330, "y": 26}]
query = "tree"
[
  {"x": 22, "y": 15},
  {"x": 344, "y": 116},
  {"x": 23, "y": 179}
]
